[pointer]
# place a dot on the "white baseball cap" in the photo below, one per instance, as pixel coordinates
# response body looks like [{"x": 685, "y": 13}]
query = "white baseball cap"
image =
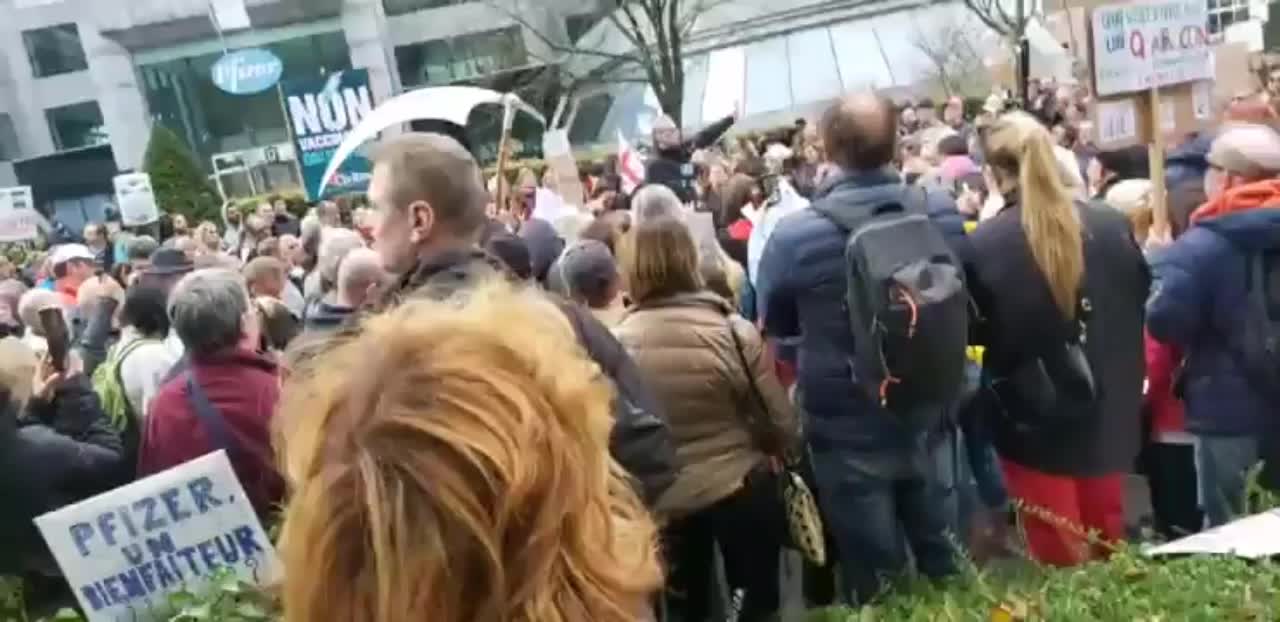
[{"x": 66, "y": 252}]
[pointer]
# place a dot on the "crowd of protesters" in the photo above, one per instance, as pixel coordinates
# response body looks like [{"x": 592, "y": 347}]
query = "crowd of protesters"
[{"x": 471, "y": 411}]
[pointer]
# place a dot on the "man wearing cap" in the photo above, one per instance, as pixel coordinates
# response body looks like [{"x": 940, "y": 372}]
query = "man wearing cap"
[
  {"x": 590, "y": 276},
  {"x": 73, "y": 264},
  {"x": 1206, "y": 302}
]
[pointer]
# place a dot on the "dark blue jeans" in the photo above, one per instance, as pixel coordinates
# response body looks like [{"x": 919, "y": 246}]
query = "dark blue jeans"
[{"x": 884, "y": 509}]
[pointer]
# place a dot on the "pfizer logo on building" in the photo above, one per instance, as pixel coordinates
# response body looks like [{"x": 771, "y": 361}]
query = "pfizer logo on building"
[{"x": 245, "y": 72}]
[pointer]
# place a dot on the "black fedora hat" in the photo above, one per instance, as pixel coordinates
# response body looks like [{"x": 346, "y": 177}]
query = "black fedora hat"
[{"x": 169, "y": 261}]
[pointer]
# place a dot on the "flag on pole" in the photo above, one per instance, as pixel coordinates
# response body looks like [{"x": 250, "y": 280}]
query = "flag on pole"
[{"x": 630, "y": 166}]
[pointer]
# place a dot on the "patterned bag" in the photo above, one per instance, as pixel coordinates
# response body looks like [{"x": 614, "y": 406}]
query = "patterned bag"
[{"x": 804, "y": 522}]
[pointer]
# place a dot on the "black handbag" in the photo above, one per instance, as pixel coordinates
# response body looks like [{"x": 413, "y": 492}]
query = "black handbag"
[
  {"x": 1057, "y": 384},
  {"x": 804, "y": 521}
]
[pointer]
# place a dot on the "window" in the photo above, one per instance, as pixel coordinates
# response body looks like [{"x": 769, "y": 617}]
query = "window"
[
  {"x": 400, "y": 7},
  {"x": 54, "y": 50},
  {"x": 76, "y": 125},
  {"x": 587, "y": 123},
  {"x": 578, "y": 25},
  {"x": 8, "y": 139},
  {"x": 466, "y": 57},
  {"x": 1223, "y": 13}
]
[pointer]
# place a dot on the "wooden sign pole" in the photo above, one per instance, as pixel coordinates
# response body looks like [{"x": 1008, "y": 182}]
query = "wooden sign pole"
[
  {"x": 504, "y": 139},
  {"x": 1155, "y": 158}
]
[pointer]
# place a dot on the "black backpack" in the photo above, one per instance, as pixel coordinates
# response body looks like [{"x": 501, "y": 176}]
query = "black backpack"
[
  {"x": 908, "y": 308},
  {"x": 1259, "y": 351}
]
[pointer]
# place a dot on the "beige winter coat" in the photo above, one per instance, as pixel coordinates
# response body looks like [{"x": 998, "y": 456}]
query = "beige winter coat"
[{"x": 686, "y": 353}]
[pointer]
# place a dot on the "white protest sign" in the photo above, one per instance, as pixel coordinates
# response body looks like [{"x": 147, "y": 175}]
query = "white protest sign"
[
  {"x": 136, "y": 201},
  {"x": 1138, "y": 45},
  {"x": 1254, "y": 537},
  {"x": 1117, "y": 121},
  {"x": 19, "y": 219},
  {"x": 1202, "y": 100},
  {"x": 125, "y": 550}
]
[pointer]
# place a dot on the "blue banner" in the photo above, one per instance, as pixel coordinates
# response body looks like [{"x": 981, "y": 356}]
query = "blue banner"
[{"x": 321, "y": 111}]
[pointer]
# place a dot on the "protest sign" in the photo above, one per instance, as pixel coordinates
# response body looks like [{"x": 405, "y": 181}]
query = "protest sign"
[
  {"x": 1152, "y": 43},
  {"x": 18, "y": 217},
  {"x": 136, "y": 201},
  {"x": 321, "y": 112},
  {"x": 559, "y": 157},
  {"x": 125, "y": 550},
  {"x": 1253, "y": 537}
]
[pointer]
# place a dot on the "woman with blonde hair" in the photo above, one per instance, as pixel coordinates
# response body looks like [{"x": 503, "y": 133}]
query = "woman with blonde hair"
[
  {"x": 728, "y": 414},
  {"x": 451, "y": 463},
  {"x": 1060, "y": 287}
]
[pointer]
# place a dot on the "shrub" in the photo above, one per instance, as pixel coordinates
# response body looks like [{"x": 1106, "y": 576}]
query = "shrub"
[
  {"x": 1128, "y": 587},
  {"x": 179, "y": 183}
]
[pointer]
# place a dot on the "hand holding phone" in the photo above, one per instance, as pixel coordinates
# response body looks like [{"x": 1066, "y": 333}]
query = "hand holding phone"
[{"x": 57, "y": 336}]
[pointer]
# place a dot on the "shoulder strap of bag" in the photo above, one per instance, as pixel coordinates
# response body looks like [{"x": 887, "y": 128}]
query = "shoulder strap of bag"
[
  {"x": 759, "y": 424},
  {"x": 118, "y": 370},
  {"x": 207, "y": 413}
]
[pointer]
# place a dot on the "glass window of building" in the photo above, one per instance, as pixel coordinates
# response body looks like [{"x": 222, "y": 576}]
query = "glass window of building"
[
  {"x": 54, "y": 50},
  {"x": 1223, "y": 13},
  {"x": 181, "y": 94},
  {"x": 465, "y": 57},
  {"x": 588, "y": 121},
  {"x": 9, "y": 149},
  {"x": 577, "y": 25},
  {"x": 76, "y": 125},
  {"x": 400, "y": 7},
  {"x": 814, "y": 74},
  {"x": 768, "y": 76}
]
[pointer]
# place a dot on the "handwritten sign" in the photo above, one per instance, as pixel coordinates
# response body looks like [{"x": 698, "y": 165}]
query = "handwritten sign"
[
  {"x": 1150, "y": 43},
  {"x": 136, "y": 201},
  {"x": 1117, "y": 121},
  {"x": 19, "y": 219},
  {"x": 124, "y": 550}
]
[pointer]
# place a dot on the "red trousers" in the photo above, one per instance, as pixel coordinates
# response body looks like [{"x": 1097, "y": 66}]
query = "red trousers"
[{"x": 1057, "y": 511}]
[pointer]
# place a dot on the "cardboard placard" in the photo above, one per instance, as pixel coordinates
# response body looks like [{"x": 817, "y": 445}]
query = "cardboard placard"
[
  {"x": 125, "y": 550},
  {"x": 1126, "y": 120},
  {"x": 559, "y": 156},
  {"x": 19, "y": 219},
  {"x": 135, "y": 199}
]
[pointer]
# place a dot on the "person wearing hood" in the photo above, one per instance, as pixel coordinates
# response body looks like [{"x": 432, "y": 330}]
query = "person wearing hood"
[
  {"x": 671, "y": 164},
  {"x": 1203, "y": 303},
  {"x": 544, "y": 246}
]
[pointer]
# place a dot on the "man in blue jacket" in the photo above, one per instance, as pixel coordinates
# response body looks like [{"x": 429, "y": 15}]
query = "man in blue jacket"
[
  {"x": 873, "y": 471},
  {"x": 1201, "y": 303}
]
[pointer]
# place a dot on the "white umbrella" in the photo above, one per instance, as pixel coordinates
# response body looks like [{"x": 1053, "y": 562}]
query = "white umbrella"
[{"x": 447, "y": 103}]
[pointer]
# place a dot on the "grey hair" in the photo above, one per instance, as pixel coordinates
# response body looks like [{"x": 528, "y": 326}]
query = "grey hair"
[
  {"x": 335, "y": 244},
  {"x": 656, "y": 201},
  {"x": 207, "y": 309}
]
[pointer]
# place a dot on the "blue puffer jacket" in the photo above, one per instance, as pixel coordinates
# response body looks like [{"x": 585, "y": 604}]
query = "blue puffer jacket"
[
  {"x": 1198, "y": 303},
  {"x": 800, "y": 293},
  {"x": 1189, "y": 161}
]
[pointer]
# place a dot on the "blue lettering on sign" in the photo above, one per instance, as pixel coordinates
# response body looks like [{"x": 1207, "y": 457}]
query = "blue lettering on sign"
[{"x": 245, "y": 72}]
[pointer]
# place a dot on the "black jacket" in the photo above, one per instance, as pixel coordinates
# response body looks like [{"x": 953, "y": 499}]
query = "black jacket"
[
  {"x": 640, "y": 440},
  {"x": 671, "y": 167},
  {"x": 1019, "y": 321},
  {"x": 42, "y": 469}
]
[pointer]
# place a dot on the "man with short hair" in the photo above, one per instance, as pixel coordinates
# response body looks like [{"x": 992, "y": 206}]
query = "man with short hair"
[
  {"x": 265, "y": 276},
  {"x": 73, "y": 264},
  {"x": 225, "y": 397},
  {"x": 360, "y": 275},
  {"x": 1205, "y": 300},
  {"x": 872, "y": 470},
  {"x": 95, "y": 237},
  {"x": 431, "y": 202}
]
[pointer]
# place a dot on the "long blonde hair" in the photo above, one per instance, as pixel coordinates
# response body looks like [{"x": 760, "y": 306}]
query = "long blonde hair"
[
  {"x": 451, "y": 463},
  {"x": 1019, "y": 148}
]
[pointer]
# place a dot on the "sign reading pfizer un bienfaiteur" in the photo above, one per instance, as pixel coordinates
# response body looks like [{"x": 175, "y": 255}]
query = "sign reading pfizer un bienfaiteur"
[
  {"x": 246, "y": 72},
  {"x": 1150, "y": 43},
  {"x": 124, "y": 551},
  {"x": 321, "y": 112}
]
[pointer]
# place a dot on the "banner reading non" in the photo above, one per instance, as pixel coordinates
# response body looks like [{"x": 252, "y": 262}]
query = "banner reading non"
[
  {"x": 1138, "y": 45},
  {"x": 321, "y": 112},
  {"x": 125, "y": 550}
]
